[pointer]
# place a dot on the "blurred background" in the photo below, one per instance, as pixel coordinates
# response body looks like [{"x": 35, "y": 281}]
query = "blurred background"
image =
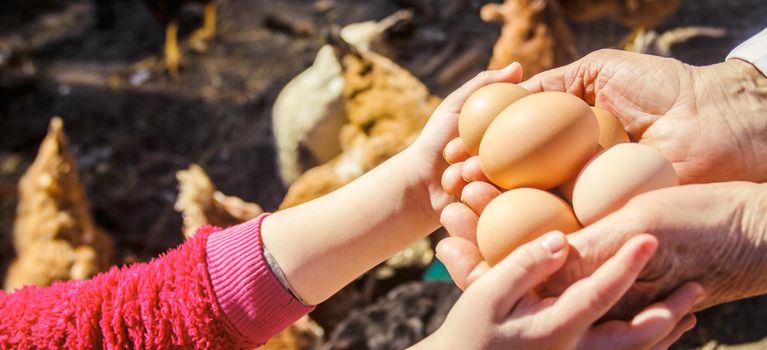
[{"x": 178, "y": 113}]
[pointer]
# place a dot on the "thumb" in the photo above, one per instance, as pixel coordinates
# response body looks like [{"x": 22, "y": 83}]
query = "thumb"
[
  {"x": 550, "y": 80},
  {"x": 578, "y": 78},
  {"x": 525, "y": 268}
]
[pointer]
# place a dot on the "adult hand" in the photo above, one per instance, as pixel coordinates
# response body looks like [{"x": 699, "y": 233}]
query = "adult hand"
[
  {"x": 715, "y": 234},
  {"x": 710, "y": 122}
]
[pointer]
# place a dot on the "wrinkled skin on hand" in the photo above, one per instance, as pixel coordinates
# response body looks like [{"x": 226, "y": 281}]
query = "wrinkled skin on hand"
[
  {"x": 713, "y": 234},
  {"x": 700, "y": 118}
]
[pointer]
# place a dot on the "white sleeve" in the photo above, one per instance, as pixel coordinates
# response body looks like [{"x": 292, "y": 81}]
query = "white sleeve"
[{"x": 754, "y": 51}]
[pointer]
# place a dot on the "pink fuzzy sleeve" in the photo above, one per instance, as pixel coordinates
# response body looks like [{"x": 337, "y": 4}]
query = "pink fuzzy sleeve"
[{"x": 169, "y": 302}]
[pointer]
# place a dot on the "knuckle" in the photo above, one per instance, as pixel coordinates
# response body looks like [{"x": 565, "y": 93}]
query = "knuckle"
[
  {"x": 601, "y": 298},
  {"x": 604, "y": 53}
]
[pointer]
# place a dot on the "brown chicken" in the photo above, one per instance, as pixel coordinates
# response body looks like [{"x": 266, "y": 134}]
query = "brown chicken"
[
  {"x": 54, "y": 233},
  {"x": 533, "y": 33},
  {"x": 309, "y": 112},
  {"x": 201, "y": 204}
]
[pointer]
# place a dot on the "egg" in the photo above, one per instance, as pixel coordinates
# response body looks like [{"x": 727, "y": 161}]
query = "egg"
[
  {"x": 611, "y": 133},
  {"x": 615, "y": 176},
  {"x": 611, "y": 130},
  {"x": 540, "y": 141},
  {"x": 519, "y": 216},
  {"x": 482, "y": 107}
]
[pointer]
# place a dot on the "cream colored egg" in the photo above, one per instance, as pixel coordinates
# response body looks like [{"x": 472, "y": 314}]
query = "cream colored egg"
[
  {"x": 615, "y": 176},
  {"x": 482, "y": 107},
  {"x": 611, "y": 130},
  {"x": 519, "y": 216},
  {"x": 540, "y": 141}
]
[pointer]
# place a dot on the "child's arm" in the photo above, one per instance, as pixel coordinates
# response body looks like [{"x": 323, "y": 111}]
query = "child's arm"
[
  {"x": 501, "y": 309},
  {"x": 323, "y": 245}
]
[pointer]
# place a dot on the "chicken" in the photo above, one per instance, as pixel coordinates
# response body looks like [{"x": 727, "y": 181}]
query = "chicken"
[
  {"x": 167, "y": 13},
  {"x": 533, "y": 33},
  {"x": 200, "y": 203},
  {"x": 309, "y": 111},
  {"x": 54, "y": 234}
]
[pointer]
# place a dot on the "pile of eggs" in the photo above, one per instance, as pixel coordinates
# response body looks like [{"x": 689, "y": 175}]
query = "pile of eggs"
[{"x": 563, "y": 163}]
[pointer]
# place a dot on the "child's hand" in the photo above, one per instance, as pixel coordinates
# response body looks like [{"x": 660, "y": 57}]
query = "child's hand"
[
  {"x": 426, "y": 152},
  {"x": 501, "y": 309}
]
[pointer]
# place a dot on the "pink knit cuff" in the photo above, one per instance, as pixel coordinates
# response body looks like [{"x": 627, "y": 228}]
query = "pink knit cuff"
[{"x": 249, "y": 294}]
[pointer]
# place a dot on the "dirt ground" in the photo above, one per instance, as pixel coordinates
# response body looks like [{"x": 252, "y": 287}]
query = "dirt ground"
[{"x": 132, "y": 126}]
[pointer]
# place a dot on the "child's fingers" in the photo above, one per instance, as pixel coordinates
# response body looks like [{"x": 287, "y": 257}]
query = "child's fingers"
[
  {"x": 462, "y": 260},
  {"x": 654, "y": 325},
  {"x": 526, "y": 267},
  {"x": 478, "y": 194},
  {"x": 452, "y": 181},
  {"x": 587, "y": 300},
  {"x": 453, "y": 102},
  {"x": 472, "y": 170},
  {"x": 660, "y": 318},
  {"x": 455, "y": 151},
  {"x": 686, "y": 324},
  {"x": 460, "y": 221}
]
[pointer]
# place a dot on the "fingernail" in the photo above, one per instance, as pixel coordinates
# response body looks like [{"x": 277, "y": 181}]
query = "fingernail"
[{"x": 553, "y": 242}]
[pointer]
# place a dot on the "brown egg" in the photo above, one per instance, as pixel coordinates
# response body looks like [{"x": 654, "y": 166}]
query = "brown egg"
[
  {"x": 482, "y": 107},
  {"x": 519, "y": 216},
  {"x": 611, "y": 130},
  {"x": 540, "y": 141},
  {"x": 615, "y": 176}
]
